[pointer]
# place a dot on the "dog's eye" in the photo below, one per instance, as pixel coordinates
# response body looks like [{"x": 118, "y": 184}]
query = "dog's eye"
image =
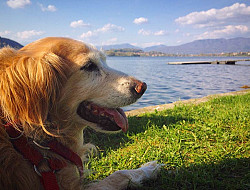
[{"x": 90, "y": 66}]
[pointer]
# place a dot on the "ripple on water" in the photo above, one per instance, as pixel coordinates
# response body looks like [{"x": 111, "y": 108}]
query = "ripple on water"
[{"x": 170, "y": 83}]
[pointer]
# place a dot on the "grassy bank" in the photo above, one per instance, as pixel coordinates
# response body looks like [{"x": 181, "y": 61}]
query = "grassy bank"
[{"x": 203, "y": 147}]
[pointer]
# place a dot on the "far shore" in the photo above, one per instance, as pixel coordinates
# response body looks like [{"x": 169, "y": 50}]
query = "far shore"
[
  {"x": 195, "y": 101},
  {"x": 130, "y": 52}
]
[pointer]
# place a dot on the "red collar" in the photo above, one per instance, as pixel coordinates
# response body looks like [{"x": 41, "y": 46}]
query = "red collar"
[{"x": 48, "y": 179}]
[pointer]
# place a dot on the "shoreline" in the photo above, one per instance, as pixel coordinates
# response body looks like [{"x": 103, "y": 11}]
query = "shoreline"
[{"x": 194, "y": 101}]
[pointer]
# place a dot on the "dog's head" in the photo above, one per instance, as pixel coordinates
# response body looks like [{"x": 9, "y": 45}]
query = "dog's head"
[{"x": 63, "y": 81}]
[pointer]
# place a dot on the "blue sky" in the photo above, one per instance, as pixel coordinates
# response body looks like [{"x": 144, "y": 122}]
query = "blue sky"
[{"x": 142, "y": 23}]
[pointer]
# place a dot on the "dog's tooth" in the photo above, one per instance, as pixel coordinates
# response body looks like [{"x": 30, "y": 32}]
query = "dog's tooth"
[{"x": 95, "y": 112}]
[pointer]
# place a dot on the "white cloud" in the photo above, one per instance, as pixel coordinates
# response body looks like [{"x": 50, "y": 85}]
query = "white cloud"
[
  {"x": 78, "y": 23},
  {"x": 140, "y": 20},
  {"x": 186, "y": 34},
  {"x": 5, "y": 33},
  {"x": 15, "y": 4},
  {"x": 110, "y": 28},
  {"x": 28, "y": 34},
  {"x": 144, "y": 32},
  {"x": 88, "y": 34},
  {"x": 161, "y": 33},
  {"x": 227, "y": 31},
  {"x": 105, "y": 29},
  {"x": 148, "y": 32},
  {"x": 50, "y": 8},
  {"x": 235, "y": 13}
]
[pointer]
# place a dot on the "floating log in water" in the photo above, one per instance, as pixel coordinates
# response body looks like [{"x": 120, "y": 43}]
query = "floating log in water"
[
  {"x": 245, "y": 86},
  {"x": 230, "y": 62},
  {"x": 227, "y": 62}
]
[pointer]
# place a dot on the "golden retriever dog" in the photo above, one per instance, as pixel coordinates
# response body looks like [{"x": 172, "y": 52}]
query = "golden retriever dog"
[{"x": 51, "y": 90}]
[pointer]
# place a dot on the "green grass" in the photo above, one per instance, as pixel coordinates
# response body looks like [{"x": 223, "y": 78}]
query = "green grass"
[{"x": 202, "y": 147}]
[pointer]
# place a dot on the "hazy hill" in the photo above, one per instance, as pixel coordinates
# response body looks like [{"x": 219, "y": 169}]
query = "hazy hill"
[
  {"x": 206, "y": 46},
  {"x": 7, "y": 42},
  {"x": 196, "y": 47}
]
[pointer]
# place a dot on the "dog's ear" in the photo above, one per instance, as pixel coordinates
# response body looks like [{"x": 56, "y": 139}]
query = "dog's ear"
[{"x": 30, "y": 87}]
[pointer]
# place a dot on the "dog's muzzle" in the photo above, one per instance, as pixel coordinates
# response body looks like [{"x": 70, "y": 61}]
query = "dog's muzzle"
[{"x": 110, "y": 119}]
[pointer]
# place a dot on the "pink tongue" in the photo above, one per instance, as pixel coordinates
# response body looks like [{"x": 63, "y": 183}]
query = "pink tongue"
[{"x": 119, "y": 117}]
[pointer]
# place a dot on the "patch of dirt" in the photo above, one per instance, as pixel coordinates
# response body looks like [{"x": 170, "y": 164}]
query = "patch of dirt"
[{"x": 190, "y": 101}]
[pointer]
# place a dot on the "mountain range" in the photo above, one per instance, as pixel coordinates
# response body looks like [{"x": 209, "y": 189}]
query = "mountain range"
[
  {"x": 7, "y": 42},
  {"x": 206, "y": 46},
  {"x": 196, "y": 47}
]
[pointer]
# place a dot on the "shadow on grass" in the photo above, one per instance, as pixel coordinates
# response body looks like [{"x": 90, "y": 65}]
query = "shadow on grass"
[
  {"x": 136, "y": 125},
  {"x": 227, "y": 174}
]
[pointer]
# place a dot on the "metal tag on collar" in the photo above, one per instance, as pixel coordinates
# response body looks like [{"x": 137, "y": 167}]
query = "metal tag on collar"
[{"x": 41, "y": 146}]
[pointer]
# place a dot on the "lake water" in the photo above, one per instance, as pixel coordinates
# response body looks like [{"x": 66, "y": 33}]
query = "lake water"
[{"x": 170, "y": 83}]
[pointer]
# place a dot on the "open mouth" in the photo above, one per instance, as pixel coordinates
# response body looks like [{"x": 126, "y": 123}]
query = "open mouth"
[{"x": 108, "y": 119}]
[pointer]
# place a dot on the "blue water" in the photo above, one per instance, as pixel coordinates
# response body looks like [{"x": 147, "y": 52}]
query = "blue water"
[{"x": 170, "y": 83}]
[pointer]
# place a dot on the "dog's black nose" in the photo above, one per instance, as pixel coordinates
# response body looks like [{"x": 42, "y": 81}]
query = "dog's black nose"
[{"x": 138, "y": 88}]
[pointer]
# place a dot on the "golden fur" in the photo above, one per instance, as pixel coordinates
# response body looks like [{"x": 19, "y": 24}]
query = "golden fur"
[{"x": 41, "y": 86}]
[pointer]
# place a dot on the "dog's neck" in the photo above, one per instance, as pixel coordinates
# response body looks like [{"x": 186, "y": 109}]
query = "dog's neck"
[{"x": 72, "y": 139}]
